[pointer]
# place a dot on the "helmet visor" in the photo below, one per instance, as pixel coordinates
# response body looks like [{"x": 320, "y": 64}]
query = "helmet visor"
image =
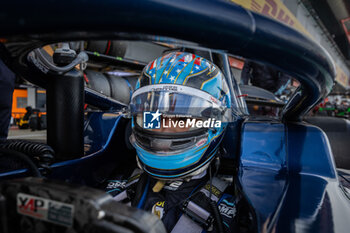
[{"x": 175, "y": 103}]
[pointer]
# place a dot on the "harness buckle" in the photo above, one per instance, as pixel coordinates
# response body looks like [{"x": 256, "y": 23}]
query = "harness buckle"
[{"x": 198, "y": 214}]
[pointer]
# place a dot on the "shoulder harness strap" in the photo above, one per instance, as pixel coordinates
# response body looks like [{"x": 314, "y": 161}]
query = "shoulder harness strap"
[
  {"x": 134, "y": 178},
  {"x": 196, "y": 211}
]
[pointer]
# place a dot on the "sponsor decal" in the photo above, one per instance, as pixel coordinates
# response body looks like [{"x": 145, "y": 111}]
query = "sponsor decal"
[
  {"x": 216, "y": 192},
  {"x": 188, "y": 123},
  {"x": 116, "y": 184},
  {"x": 201, "y": 142},
  {"x": 165, "y": 88},
  {"x": 213, "y": 100},
  {"x": 227, "y": 209},
  {"x": 158, "y": 209},
  {"x": 45, "y": 209},
  {"x": 274, "y": 9},
  {"x": 152, "y": 120},
  {"x": 173, "y": 185}
]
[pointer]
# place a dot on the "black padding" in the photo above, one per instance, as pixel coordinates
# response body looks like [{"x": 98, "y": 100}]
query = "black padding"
[
  {"x": 98, "y": 82},
  {"x": 99, "y": 46},
  {"x": 338, "y": 133},
  {"x": 118, "y": 48},
  {"x": 93, "y": 210},
  {"x": 112, "y": 86},
  {"x": 111, "y": 48},
  {"x": 120, "y": 90}
]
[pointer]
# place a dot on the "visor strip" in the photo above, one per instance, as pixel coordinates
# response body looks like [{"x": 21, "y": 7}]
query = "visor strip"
[{"x": 174, "y": 88}]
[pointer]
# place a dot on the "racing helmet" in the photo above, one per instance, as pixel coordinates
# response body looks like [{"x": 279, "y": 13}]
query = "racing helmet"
[{"x": 180, "y": 109}]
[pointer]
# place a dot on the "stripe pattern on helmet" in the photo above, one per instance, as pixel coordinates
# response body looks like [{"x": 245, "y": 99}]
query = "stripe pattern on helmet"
[{"x": 185, "y": 69}]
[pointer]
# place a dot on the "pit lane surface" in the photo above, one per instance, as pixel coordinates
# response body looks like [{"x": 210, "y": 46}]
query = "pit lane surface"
[{"x": 27, "y": 134}]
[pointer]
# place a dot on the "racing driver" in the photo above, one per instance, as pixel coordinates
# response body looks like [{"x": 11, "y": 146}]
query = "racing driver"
[{"x": 180, "y": 109}]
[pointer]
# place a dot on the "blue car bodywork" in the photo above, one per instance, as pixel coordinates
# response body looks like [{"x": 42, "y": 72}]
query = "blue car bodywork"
[{"x": 285, "y": 167}]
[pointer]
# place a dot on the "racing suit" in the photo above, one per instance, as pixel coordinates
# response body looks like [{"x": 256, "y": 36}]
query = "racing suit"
[{"x": 168, "y": 203}]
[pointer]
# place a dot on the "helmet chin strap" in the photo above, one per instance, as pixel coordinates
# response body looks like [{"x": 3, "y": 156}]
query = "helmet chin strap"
[{"x": 193, "y": 175}]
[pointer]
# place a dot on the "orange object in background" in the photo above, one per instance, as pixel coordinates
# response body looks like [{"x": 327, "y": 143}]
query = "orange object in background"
[
  {"x": 19, "y": 103},
  {"x": 236, "y": 63}
]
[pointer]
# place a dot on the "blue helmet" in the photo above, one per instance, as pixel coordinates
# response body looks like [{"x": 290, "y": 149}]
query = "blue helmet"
[{"x": 180, "y": 109}]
